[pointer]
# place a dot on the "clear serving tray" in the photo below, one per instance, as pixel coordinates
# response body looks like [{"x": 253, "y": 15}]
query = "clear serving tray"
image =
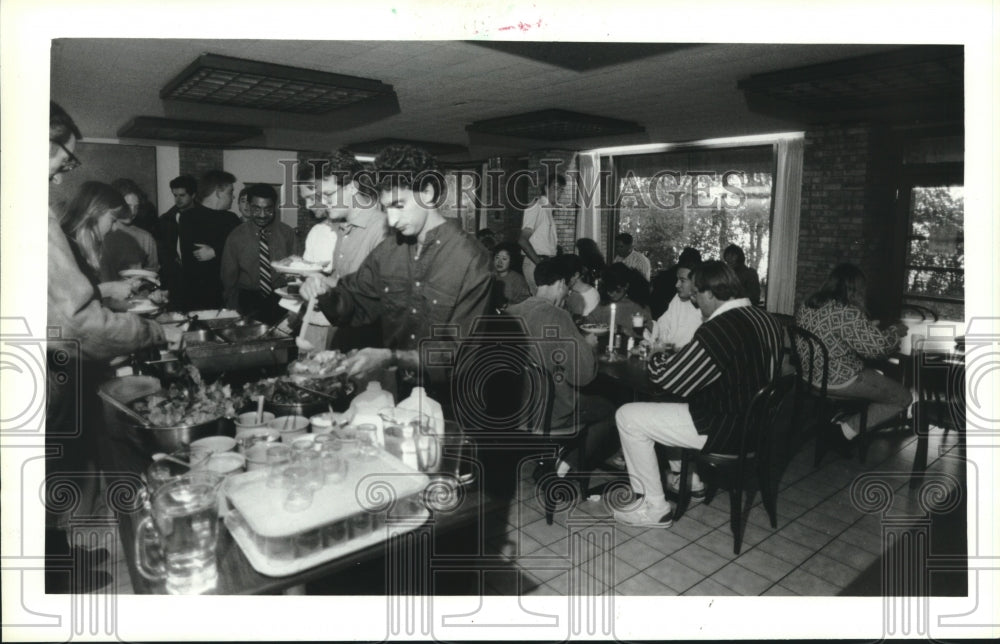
[{"x": 379, "y": 497}]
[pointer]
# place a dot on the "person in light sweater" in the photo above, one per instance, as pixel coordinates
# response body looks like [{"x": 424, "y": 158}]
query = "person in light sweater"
[{"x": 675, "y": 328}]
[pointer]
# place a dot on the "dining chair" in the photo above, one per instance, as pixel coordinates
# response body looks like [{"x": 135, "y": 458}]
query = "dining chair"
[
  {"x": 765, "y": 422},
  {"x": 516, "y": 393},
  {"x": 811, "y": 361},
  {"x": 939, "y": 380}
]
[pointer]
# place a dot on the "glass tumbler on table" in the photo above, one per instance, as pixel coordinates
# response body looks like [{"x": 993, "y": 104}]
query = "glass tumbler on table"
[
  {"x": 367, "y": 441},
  {"x": 278, "y": 458},
  {"x": 638, "y": 326}
]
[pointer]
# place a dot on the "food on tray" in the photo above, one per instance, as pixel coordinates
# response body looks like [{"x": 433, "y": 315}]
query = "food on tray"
[
  {"x": 596, "y": 329},
  {"x": 318, "y": 365},
  {"x": 278, "y": 391},
  {"x": 187, "y": 400}
]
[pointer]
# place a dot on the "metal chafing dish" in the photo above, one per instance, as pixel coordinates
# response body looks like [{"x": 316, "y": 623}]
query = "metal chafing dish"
[
  {"x": 235, "y": 348},
  {"x": 118, "y": 395}
]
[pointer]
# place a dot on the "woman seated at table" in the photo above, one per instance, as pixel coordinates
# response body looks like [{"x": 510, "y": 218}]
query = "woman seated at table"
[
  {"x": 88, "y": 219},
  {"x": 837, "y": 315},
  {"x": 614, "y": 288},
  {"x": 509, "y": 285}
]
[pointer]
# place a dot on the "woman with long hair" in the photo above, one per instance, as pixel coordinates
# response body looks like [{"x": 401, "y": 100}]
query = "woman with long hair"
[
  {"x": 838, "y": 316},
  {"x": 87, "y": 220},
  {"x": 592, "y": 258},
  {"x": 583, "y": 297}
]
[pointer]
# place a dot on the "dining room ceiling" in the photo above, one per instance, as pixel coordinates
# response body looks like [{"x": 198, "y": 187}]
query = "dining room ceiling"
[{"x": 673, "y": 93}]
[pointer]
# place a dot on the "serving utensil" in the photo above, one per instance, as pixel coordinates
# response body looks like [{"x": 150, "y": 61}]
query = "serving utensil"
[
  {"x": 300, "y": 341},
  {"x": 125, "y": 409}
]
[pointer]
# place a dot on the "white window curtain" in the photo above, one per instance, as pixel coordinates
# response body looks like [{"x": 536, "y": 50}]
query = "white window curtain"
[
  {"x": 588, "y": 221},
  {"x": 785, "y": 228}
]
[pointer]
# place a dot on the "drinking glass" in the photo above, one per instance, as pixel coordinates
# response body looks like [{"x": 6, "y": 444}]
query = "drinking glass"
[
  {"x": 367, "y": 441},
  {"x": 638, "y": 325},
  {"x": 278, "y": 458}
]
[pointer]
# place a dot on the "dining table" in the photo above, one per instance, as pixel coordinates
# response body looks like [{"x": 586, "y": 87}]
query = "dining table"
[{"x": 626, "y": 379}]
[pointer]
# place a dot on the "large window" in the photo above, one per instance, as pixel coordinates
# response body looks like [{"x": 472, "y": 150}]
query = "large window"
[
  {"x": 935, "y": 249},
  {"x": 703, "y": 198}
]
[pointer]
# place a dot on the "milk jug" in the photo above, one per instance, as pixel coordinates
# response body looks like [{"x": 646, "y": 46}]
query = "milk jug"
[
  {"x": 419, "y": 401},
  {"x": 366, "y": 406}
]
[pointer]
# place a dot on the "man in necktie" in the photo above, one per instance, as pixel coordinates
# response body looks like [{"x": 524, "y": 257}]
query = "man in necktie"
[{"x": 248, "y": 280}]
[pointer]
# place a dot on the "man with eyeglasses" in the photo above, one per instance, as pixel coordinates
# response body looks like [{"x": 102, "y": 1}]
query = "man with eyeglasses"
[
  {"x": 248, "y": 281},
  {"x": 84, "y": 336}
]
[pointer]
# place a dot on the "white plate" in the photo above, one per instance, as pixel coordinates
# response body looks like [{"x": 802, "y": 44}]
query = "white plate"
[
  {"x": 140, "y": 272},
  {"x": 282, "y": 292},
  {"x": 595, "y": 329},
  {"x": 299, "y": 268},
  {"x": 142, "y": 306}
]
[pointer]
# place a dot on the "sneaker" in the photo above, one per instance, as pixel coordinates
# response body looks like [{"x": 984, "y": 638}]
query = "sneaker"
[
  {"x": 642, "y": 516},
  {"x": 674, "y": 485}
]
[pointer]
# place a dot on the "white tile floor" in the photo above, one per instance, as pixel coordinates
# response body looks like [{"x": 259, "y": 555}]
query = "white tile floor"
[{"x": 822, "y": 545}]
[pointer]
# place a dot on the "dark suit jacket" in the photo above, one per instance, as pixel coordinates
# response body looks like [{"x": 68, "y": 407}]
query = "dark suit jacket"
[{"x": 193, "y": 284}]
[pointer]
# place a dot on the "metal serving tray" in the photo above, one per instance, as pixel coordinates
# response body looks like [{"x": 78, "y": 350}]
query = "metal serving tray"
[{"x": 248, "y": 348}]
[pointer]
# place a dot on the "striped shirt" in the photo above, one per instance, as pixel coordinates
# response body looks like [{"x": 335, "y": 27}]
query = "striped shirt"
[{"x": 732, "y": 355}]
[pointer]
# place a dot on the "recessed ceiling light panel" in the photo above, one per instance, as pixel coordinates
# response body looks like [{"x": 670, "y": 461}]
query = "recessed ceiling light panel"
[{"x": 236, "y": 82}]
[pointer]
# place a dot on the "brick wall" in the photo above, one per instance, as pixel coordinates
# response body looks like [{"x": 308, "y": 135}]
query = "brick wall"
[
  {"x": 196, "y": 161},
  {"x": 847, "y": 208}
]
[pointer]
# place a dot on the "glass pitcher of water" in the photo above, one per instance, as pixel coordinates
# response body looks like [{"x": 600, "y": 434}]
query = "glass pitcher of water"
[{"x": 184, "y": 527}]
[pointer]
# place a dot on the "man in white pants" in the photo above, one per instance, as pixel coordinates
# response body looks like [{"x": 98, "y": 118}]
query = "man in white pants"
[{"x": 732, "y": 355}]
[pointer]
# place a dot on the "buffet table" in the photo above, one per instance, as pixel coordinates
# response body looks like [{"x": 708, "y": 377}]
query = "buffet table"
[
  {"x": 236, "y": 575},
  {"x": 144, "y": 414}
]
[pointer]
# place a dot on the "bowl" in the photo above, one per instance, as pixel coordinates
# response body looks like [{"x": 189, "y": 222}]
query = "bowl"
[
  {"x": 214, "y": 444},
  {"x": 325, "y": 422},
  {"x": 248, "y": 420},
  {"x": 291, "y": 427},
  {"x": 249, "y": 437},
  {"x": 226, "y": 463}
]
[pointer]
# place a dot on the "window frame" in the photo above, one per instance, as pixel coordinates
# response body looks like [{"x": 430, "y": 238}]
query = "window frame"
[
  {"x": 608, "y": 161},
  {"x": 916, "y": 176}
]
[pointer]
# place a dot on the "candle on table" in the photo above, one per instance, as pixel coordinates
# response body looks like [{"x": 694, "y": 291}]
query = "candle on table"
[{"x": 611, "y": 330}]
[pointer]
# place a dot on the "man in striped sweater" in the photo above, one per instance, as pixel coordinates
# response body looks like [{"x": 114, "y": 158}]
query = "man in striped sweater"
[{"x": 734, "y": 353}]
